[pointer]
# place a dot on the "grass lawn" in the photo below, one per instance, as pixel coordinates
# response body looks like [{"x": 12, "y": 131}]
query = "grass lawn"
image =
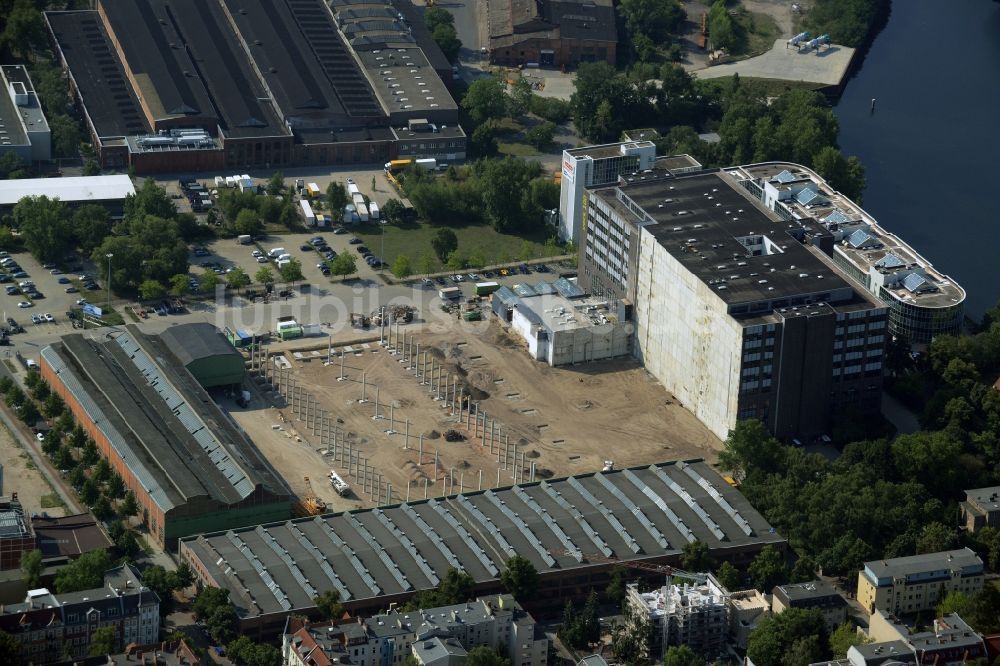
[
  {"x": 414, "y": 240},
  {"x": 52, "y": 501},
  {"x": 761, "y": 31},
  {"x": 766, "y": 87},
  {"x": 517, "y": 149}
]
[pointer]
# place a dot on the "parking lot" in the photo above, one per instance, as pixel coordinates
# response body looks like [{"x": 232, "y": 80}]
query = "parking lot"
[{"x": 41, "y": 296}]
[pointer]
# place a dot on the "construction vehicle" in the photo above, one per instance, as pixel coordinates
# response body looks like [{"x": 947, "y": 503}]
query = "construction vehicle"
[
  {"x": 310, "y": 505},
  {"x": 342, "y": 487},
  {"x": 360, "y": 320}
]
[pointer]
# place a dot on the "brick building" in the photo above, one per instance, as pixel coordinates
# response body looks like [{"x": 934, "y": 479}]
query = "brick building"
[
  {"x": 190, "y": 468},
  {"x": 552, "y": 33},
  {"x": 50, "y": 626}
]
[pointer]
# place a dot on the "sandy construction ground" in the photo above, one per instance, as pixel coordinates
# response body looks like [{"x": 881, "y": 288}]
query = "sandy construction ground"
[
  {"x": 566, "y": 421},
  {"x": 22, "y": 477}
]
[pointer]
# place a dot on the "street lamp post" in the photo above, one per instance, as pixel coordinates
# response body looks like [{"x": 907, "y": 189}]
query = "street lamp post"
[{"x": 109, "y": 256}]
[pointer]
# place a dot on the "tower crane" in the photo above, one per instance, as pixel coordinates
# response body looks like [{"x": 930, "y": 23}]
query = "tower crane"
[{"x": 642, "y": 565}]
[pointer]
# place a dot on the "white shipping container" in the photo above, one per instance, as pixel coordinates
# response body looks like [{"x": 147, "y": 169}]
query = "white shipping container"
[
  {"x": 358, "y": 199},
  {"x": 352, "y": 189},
  {"x": 373, "y": 210},
  {"x": 363, "y": 212},
  {"x": 427, "y": 163},
  {"x": 307, "y": 212}
]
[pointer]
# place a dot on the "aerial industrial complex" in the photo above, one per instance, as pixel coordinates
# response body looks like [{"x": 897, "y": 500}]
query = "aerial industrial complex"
[
  {"x": 172, "y": 85},
  {"x": 572, "y": 530},
  {"x": 143, "y": 400},
  {"x": 797, "y": 289}
]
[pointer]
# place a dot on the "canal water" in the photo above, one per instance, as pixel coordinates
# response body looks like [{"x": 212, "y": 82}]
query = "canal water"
[{"x": 932, "y": 146}]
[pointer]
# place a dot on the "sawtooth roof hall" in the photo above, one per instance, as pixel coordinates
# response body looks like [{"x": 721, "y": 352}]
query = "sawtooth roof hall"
[{"x": 571, "y": 529}]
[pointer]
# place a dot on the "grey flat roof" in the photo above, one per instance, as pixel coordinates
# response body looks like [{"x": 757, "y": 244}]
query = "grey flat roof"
[
  {"x": 641, "y": 513},
  {"x": 405, "y": 82},
  {"x": 162, "y": 68},
  {"x": 236, "y": 91},
  {"x": 813, "y": 590},
  {"x": 904, "y": 566},
  {"x": 191, "y": 342},
  {"x": 988, "y": 499},
  {"x": 699, "y": 219},
  {"x": 304, "y": 61},
  {"x": 100, "y": 78},
  {"x": 15, "y": 119},
  {"x": 604, "y": 150}
]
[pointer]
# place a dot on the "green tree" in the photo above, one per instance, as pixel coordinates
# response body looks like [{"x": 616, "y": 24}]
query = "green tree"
[
  {"x": 653, "y": 19},
  {"x": 845, "y": 174},
  {"x": 617, "y": 580},
  {"x": 803, "y": 571},
  {"x": 936, "y": 537},
  {"x": 344, "y": 264},
  {"x": 237, "y": 279},
  {"x": 84, "y": 573},
  {"x": 91, "y": 168},
  {"x": 102, "y": 471},
  {"x": 681, "y": 655},
  {"x": 696, "y": 557},
  {"x": 151, "y": 290},
  {"x": 485, "y": 100},
  {"x": 89, "y": 492},
  {"x": 519, "y": 97},
  {"x": 955, "y": 601},
  {"x": 776, "y": 635},
  {"x": 292, "y": 271},
  {"x": 264, "y": 275},
  {"x": 276, "y": 184},
  {"x": 244, "y": 652},
  {"x": 393, "y": 211},
  {"x": 129, "y": 506},
  {"x": 435, "y": 16},
  {"x": 456, "y": 261},
  {"x": 444, "y": 243},
  {"x": 32, "y": 568},
  {"x": 24, "y": 30},
  {"x": 45, "y": 227},
  {"x": 446, "y": 37},
  {"x": 116, "y": 487},
  {"x": 248, "y": 222},
  {"x": 329, "y": 606},
  {"x": 483, "y": 142},
  {"x": 65, "y": 136},
  {"x": 182, "y": 577},
  {"x": 843, "y": 637},
  {"x": 180, "y": 285},
  {"x": 91, "y": 225},
  {"x": 768, "y": 569},
  {"x": 336, "y": 197},
  {"x": 102, "y": 508},
  {"x": 208, "y": 600},
  {"x": 104, "y": 641},
  {"x": 10, "y": 649},
  {"x": 541, "y": 135},
  {"x": 89, "y": 455},
  {"x": 426, "y": 264},
  {"x": 750, "y": 447},
  {"x": 207, "y": 282},
  {"x": 729, "y": 576},
  {"x": 527, "y": 251},
  {"x": 221, "y": 624},
  {"x": 520, "y": 577},
  {"x": 456, "y": 586},
  {"x": 53, "y": 405},
  {"x": 484, "y": 655},
  {"x": 401, "y": 266}
]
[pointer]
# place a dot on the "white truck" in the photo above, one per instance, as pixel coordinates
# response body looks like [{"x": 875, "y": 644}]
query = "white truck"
[
  {"x": 276, "y": 252},
  {"x": 449, "y": 293},
  {"x": 352, "y": 189},
  {"x": 307, "y": 213},
  {"x": 362, "y": 212},
  {"x": 428, "y": 163},
  {"x": 373, "y": 210},
  {"x": 244, "y": 239},
  {"x": 339, "y": 485}
]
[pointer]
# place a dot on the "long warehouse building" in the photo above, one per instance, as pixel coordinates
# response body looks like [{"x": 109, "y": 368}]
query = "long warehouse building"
[
  {"x": 142, "y": 399},
  {"x": 198, "y": 85},
  {"x": 573, "y": 530}
]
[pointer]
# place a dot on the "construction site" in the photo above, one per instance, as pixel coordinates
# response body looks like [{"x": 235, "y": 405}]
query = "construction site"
[{"x": 409, "y": 413}]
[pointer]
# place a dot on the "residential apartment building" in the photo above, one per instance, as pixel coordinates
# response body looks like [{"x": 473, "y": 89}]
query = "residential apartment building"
[
  {"x": 437, "y": 636},
  {"x": 696, "y": 615},
  {"x": 737, "y": 312},
  {"x": 817, "y": 595},
  {"x": 981, "y": 508},
  {"x": 50, "y": 626},
  {"x": 917, "y": 583}
]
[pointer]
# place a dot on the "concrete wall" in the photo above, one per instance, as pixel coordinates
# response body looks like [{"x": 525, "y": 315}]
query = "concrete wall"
[
  {"x": 685, "y": 338},
  {"x": 525, "y": 329},
  {"x": 580, "y": 345}
]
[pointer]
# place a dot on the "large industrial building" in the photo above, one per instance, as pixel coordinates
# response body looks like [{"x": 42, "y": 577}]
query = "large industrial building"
[
  {"x": 141, "y": 399},
  {"x": 573, "y": 530},
  {"x": 552, "y": 33},
  {"x": 23, "y": 128},
  {"x": 193, "y": 85},
  {"x": 749, "y": 296}
]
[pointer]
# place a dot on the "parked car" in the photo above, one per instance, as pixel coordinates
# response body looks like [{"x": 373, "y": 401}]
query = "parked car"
[
  {"x": 49, "y": 318},
  {"x": 355, "y": 241},
  {"x": 63, "y": 280},
  {"x": 340, "y": 231},
  {"x": 72, "y": 290},
  {"x": 24, "y": 304}
]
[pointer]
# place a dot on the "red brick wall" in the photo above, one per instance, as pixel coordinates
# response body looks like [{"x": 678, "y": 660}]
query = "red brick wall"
[{"x": 156, "y": 519}]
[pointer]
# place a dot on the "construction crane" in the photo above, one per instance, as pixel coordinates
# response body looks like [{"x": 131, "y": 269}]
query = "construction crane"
[{"x": 642, "y": 565}]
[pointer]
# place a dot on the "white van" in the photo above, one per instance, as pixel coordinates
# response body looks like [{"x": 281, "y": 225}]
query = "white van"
[{"x": 276, "y": 252}]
